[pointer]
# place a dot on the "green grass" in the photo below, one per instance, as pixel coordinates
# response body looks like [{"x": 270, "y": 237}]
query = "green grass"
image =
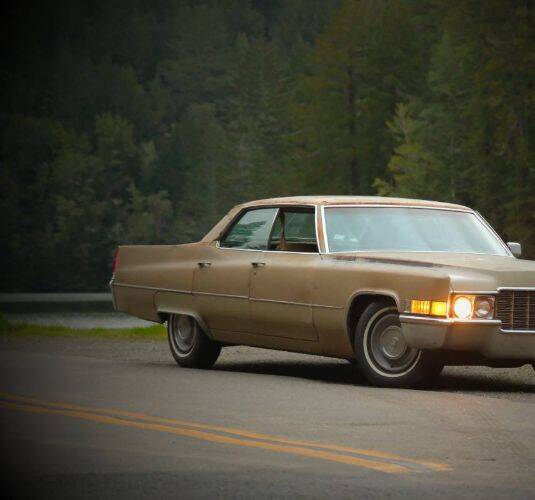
[{"x": 156, "y": 332}]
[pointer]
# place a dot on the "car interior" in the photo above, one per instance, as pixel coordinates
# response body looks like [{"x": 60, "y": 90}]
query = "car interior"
[
  {"x": 285, "y": 229},
  {"x": 294, "y": 230}
]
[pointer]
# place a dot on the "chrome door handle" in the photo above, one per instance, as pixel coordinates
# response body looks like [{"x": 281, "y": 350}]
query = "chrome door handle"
[
  {"x": 258, "y": 264},
  {"x": 204, "y": 264}
]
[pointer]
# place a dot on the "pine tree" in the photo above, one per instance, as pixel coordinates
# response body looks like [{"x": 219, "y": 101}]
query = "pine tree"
[{"x": 365, "y": 62}]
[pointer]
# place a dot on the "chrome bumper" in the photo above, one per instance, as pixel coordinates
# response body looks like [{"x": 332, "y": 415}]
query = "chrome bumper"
[
  {"x": 113, "y": 294},
  {"x": 483, "y": 336}
]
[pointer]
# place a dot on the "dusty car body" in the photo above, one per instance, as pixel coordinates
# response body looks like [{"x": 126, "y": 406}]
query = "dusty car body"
[{"x": 313, "y": 274}]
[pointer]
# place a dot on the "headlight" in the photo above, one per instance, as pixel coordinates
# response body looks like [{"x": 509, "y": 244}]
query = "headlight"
[
  {"x": 473, "y": 306},
  {"x": 462, "y": 307},
  {"x": 484, "y": 307}
]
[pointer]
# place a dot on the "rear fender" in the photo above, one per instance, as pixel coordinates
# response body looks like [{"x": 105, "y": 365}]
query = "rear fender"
[{"x": 179, "y": 303}]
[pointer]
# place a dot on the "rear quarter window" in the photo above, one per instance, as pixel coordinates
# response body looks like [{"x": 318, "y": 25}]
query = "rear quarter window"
[{"x": 251, "y": 230}]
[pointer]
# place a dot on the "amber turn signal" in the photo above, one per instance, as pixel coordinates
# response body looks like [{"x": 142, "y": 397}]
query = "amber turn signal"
[
  {"x": 429, "y": 307},
  {"x": 439, "y": 308}
]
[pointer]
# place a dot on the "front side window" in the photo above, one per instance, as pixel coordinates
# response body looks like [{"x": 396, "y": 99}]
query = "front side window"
[
  {"x": 294, "y": 231},
  {"x": 358, "y": 229},
  {"x": 251, "y": 231}
]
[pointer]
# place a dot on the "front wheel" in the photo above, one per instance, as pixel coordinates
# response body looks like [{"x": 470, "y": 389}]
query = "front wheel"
[
  {"x": 189, "y": 345},
  {"x": 383, "y": 355}
]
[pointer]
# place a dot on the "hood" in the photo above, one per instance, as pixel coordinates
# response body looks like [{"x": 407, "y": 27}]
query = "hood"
[{"x": 466, "y": 271}]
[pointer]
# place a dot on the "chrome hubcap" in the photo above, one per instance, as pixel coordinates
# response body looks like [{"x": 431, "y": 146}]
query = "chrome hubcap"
[
  {"x": 392, "y": 342},
  {"x": 387, "y": 346},
  {"x": 183, "y": 333}
]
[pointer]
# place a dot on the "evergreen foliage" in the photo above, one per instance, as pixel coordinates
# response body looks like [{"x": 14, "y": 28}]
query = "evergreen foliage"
[{"x": 144, "y": 122}]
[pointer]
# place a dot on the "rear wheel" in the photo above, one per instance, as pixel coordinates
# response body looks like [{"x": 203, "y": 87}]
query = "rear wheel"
[
  {"x": 189, "y": 345},
  {"x": 383, "y": 355}
]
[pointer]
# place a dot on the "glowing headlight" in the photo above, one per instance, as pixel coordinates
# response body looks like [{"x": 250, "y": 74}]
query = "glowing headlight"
[
  {"x": 473, "y": 306},
  {"x": 462, "y": 307}
]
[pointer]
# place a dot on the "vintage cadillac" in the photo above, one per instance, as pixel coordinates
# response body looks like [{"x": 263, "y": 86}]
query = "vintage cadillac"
[{"x": 401, "y": 287}]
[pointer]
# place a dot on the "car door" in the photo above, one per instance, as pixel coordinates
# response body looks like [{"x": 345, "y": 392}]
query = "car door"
[
  {"x": 221, "y": 278},
  {"x": 282, "y": 279}
]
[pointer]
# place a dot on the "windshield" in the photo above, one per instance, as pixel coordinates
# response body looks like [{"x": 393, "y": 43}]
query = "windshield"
[{"x": 357, "y": 229}]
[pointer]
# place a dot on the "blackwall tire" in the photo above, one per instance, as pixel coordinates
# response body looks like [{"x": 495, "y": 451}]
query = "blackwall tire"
[
  {"x": 383, "y": 356},
  {"x": 189, "y": 344}
]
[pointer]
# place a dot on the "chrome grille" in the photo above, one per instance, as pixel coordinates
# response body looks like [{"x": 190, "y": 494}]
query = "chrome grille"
[{"x": 516, "y": 309}]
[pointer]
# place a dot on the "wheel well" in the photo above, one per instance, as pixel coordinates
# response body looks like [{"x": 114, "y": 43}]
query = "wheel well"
[
  {"x": 359, "y": 305},
  {"x": 164, "y": 316}
]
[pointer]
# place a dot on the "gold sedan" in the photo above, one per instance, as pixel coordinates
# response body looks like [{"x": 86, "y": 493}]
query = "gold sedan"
[{"x": 400, "y": 286}]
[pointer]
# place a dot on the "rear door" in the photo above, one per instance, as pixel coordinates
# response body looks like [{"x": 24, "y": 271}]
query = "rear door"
[
  {"x": 282, "y": 278},
  {"x": 221, "y": 278}
]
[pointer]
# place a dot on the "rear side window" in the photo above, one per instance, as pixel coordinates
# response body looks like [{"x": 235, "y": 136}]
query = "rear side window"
[
  {"x": 294, "y": 231},
  {"x": 251, "y": 230}
]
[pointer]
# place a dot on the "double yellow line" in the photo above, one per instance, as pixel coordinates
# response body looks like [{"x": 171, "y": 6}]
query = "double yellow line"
[{"x": 369, "y": 459}]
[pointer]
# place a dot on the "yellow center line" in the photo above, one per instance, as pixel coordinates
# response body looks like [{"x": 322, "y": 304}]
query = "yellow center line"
[
  {"x": 215, "y": 438},
  {"x": 436, "y": 466}
]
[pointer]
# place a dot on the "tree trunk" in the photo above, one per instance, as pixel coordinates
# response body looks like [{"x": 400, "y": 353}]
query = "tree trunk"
[{"x": 353, "y": 162}]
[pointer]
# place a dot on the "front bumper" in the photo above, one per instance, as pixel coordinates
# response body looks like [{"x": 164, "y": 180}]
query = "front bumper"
[{"x": 483, "y": 337}]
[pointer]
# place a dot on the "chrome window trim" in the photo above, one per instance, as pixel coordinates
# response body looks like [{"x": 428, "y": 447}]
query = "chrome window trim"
[
  {"x": 265, "y": 251},
  {"x": 324, "y": 228},
  {"x": 491, "y": 229},
  {"x": 390, "y": 205},
  {"x": 277, "y": 212},
  {"x": 317, "y": 232},
  {"x": 278, "y": 207},
  {"x": 416, "y": 251},
  {"x": 393, "y": 205}
]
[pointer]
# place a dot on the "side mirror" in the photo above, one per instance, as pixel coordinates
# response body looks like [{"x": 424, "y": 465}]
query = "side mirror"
[{"x": 516, "y": 248}]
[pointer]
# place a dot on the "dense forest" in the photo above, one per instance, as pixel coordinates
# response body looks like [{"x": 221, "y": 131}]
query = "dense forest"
[{"x": 130, "y": 121}]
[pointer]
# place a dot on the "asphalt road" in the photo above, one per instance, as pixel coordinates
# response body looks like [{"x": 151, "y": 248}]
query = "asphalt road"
[{"x": 102, "y": 419}]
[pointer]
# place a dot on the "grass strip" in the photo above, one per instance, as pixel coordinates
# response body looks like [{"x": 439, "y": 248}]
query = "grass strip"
[{"x": 20, "y": 329}]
